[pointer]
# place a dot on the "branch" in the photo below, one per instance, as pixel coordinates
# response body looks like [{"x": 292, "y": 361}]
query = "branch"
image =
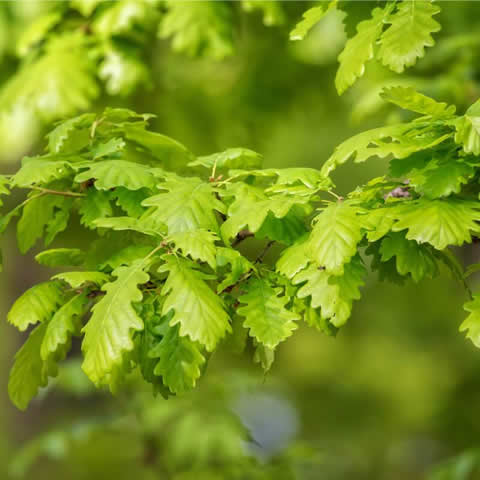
[
  {"x": 57, "y": 192},
  {"x": 241, "y": 236}
]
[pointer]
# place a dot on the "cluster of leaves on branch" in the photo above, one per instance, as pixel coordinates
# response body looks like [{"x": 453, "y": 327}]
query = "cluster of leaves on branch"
[
  {"x": 170, "y": 274},
  {"x": 395, "y": 33},
  {"x": 77, "y": 46}
]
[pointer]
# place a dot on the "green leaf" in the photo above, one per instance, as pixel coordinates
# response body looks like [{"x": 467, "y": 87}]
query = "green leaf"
[
  {"x": 197, "y": 309},
  {"x": 239, "y": 266},
  {"x": 360, "y": 49},
  {"x": 266, "y": 316},
  {"x": 187, "y": 204},
  {"x": 468, "y": 130},
  {"x": 56, "y": 84},
  {"x": 59, "y": 257},
  {"x": 171, "y": 153},
  {"x": 411, "y": 258},
  {"x": 148, "y": 225},
  {"x": 409, "y": 99},
  {"x": 310, "y": 18},
  {"x": 109, "y": 174},
  {"x": 130, "y": 201},
  {"x": 441, "y": 177},
  {"x": 126, "y": 256},
  {"x": 94, "y": 206},
  {"x": 124, "y": 18},
  {"x": 78, "y": 279},
  {"x": 107, "y": 149},
  {"x": 400, "y": 140},
  {"x": 36, "y": 305},
  {"x": 410, "y": 31},
  {"x": 65, "y": 323},
  {"x": 29, "y": 372},
  {"x": 335, "y": 236},
  {"x": 37, "y": 31},
  {"x": 252, "y": 207},
  {"x": 231, "y": 158},
  {"x": 198, "y": 244},
  {"x": 471, "y": 324},
  {"x": 199, "y": 28},
  {"x": 62, "y": 135},
  {"x": 438, "y": 222},
  {"x": 294, "y": 258},
  {"x": 123, "y": 72},
  {"x": 40, "y": 171},
  {"x": 180, "y": 360},
  {"x": 264, "y": 356},
  {"x": 108, "y": 333},
  {"x": 333, "y": 294},
  {"x": 40, "y": 213}
]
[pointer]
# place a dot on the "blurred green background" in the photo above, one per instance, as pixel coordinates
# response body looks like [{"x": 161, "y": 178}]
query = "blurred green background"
[{"x": 395, "y": 392}]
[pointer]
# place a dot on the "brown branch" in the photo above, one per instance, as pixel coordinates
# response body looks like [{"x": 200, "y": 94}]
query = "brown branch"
[{"x": 241, "y": 236}]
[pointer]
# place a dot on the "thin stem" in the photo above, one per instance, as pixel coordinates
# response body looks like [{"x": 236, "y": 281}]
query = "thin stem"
[
  {"x": 48, "y": 191},
  {"x": 338, "y": 197},
  {"x": 262, "y": 254}
]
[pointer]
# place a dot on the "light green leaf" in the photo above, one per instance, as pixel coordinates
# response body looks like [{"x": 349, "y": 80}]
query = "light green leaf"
[
  {"x": 409, "y": 99},
  {"x": 40, "y": 171},
  {"x": 199, "y": 244},
  {"x": 108, "y": 333},
  {"x": 78, "y": 279},
  {"x": 410, "y": 31},
  {"x": 441, "y": 177},
  {"x": 360, "y": 48},
  {"x": 333, "y": 294},
  {"x": 251, "y": 208},
  {"x": 148, "y": 225},
  {"x": 468, "y": 130},
  {"x": 335, "y": 236},
  {"x": 310, "y": 18},
  {"x": 37, "y": 304},
  {"x": 180, "y": 360},
  {"x": 29, "y": 372},
  {"x": 40, "y": 214},
  {"x": 118, "y": 173},
  {"x": 37, "y": 31},
  {"x": 400, "y": 140},
  {"x": 471, "y": 324},
  {"x": 187, "y": 204},
  {"x": 438, "y": 222},
  {"x": 266, "y": 316},
  {"x": 294, "y": 258},
  {"x": 199, "y": 28},
  {"x": 62, "y": 135},
  {"x": 107, "y": 149},
  {"x": 65, "y": 323},
  {"x": 231, "y": 158},
  {"x": 57, "y": 84},
  {"x": 197, "y": 309},
  {"x": 59, "y": 257},
  {"x": 239, "y": 266}
]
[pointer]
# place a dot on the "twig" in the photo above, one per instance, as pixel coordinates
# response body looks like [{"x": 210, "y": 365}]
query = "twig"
[
  {"x": 241, "y": 236},
  {"x": 48, "y": 191},
  {"x": 262, "y": 254}
]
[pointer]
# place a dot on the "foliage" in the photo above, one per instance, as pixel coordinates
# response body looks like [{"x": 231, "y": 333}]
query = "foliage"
[{"x": 189, "y": 273}]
